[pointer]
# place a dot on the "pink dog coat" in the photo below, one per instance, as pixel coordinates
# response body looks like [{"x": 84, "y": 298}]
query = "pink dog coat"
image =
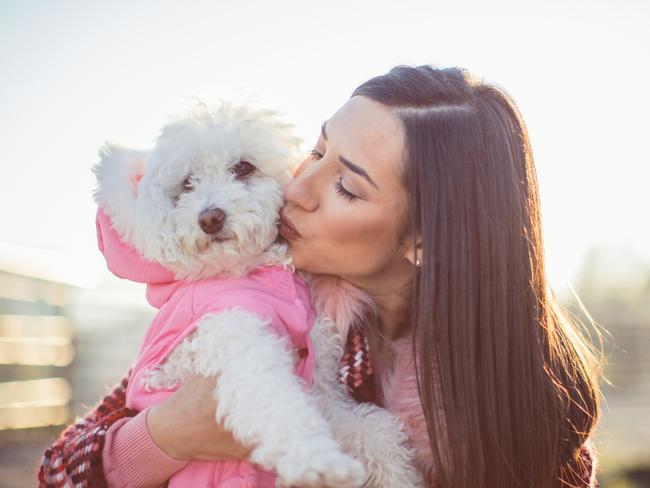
[{"x": 271, "y": 292}]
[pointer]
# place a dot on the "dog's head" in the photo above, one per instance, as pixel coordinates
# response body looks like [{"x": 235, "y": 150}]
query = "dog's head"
[{"x": 206, "y": 198}]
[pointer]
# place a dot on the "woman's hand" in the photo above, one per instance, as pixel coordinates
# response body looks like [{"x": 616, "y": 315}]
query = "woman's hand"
[{"x": 184, "y": 425}]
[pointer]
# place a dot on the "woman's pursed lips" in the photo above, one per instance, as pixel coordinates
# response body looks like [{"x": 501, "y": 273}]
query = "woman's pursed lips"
[{"x": 287, "y": 229}]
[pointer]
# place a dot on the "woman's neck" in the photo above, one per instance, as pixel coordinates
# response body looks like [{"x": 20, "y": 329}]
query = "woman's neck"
[
  {"x": 392, "y": 315},
  {"x": 392, "y": 296}
]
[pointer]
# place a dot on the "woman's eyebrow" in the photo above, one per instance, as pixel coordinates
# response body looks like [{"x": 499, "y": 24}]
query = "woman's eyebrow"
[
  {"x": 349, "y": 164},
  {"x": 358, "y": 170}
]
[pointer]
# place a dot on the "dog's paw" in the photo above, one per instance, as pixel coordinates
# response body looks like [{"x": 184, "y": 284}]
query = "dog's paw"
[{"x": 323, "y": 468}]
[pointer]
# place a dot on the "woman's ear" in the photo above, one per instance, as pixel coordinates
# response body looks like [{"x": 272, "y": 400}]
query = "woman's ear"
[{"x": 414, "y": 254}]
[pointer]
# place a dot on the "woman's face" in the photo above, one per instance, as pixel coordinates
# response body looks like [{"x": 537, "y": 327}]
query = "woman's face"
[{"x": 347, "y": 200}]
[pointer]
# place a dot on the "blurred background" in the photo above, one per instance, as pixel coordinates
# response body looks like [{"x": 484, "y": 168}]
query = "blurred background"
[{"x": 77, "y": 73}]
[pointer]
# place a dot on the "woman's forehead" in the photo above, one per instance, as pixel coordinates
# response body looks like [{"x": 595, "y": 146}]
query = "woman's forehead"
[{"x": 369, "y": 134}]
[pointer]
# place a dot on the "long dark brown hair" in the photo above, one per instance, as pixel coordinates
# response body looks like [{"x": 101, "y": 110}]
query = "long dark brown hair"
[{"x": 508, "y": 386}]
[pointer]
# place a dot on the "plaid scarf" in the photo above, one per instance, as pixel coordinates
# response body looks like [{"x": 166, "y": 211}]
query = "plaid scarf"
[
  {"x": 355, "y": 370},
  {"x": 75, "y": 458}
]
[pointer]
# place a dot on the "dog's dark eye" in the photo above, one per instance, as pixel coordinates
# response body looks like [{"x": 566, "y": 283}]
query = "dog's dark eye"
[
  {"x": 243, "y": 169},
  {"x": 187, "y": 184}
]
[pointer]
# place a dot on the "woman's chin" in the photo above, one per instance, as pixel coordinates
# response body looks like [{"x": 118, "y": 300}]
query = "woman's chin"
[{"x": 298, "y": 262}]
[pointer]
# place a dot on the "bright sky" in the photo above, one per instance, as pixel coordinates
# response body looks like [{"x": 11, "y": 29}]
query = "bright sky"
[{"x": 76, "y": 73}]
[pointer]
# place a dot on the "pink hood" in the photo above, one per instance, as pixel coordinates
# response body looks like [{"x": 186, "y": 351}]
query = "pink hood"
[{"x": 125, "y": 262}]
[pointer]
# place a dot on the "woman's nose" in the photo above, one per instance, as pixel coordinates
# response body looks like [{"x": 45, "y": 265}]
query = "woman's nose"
[{"x": 302, "y": 191}]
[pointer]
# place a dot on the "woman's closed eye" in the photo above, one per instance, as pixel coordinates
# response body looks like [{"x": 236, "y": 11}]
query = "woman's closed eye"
[
  {"x": 338, "y": 186},
  {"x": 340, "y": 189}
]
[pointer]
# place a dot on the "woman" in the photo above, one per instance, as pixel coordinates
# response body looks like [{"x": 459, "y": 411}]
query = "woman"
[{"x": 421, "y": 192}]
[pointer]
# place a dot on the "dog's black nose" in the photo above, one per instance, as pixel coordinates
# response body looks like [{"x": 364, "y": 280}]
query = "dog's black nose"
[{"x": 211, "y": 220}]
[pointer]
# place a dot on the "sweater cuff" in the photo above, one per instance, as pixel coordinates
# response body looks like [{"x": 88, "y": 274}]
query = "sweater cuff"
[{"x": 131, "y": 457}]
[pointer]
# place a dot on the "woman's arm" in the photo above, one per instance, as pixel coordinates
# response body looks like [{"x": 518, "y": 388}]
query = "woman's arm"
[
  {"x": 114, "y": 446},
  {"x": 131, "y": 458}
]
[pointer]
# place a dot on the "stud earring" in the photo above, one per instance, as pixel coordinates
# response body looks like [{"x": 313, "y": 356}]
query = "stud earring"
[{"x": 418, "y": 262}]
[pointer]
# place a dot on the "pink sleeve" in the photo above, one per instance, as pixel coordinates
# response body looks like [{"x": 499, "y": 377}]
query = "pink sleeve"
[{"x": 132, "y": 459}]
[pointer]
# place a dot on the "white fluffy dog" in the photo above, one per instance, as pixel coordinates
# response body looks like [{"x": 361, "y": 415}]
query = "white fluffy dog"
[{"x": 203, "y": 206}]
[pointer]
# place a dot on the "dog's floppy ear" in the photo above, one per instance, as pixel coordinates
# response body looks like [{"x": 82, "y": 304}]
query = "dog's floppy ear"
[{"x": 118, "y": 173}]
